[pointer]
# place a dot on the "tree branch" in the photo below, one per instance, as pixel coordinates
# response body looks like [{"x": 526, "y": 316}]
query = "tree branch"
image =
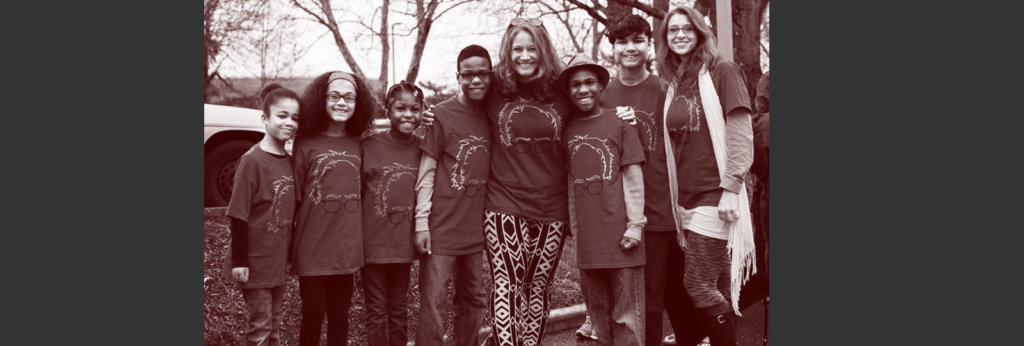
[
  {"x": 591, "y": 10},
  {"x": 651, "y": 11}
]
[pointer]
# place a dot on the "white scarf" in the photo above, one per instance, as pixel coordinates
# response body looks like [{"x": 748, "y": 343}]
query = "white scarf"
[{"x": 741, "y": 232}]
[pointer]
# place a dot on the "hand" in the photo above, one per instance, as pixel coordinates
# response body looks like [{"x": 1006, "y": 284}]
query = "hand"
[
  {"x": 628, "y": 243},
  {"x": 422, "y": 242},
  {"x": 626, "y": 113},
  {"x": 728, "y": 207},
  {"x": 240, "y": 274},
  {"x": 427, "y": 117}
]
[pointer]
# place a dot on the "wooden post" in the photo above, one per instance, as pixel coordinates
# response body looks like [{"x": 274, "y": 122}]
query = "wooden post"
[{"x": 723, "y": 27}]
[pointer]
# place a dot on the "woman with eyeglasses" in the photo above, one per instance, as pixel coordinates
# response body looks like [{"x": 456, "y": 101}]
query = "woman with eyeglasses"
[
  {"x": 390, "y": 166},
  {"x": 709, "y": 141},
  {"x": 327, "y": 246}
]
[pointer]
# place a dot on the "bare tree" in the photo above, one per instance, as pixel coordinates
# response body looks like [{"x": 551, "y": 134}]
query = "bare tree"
[{"x": 224, "y": 24}]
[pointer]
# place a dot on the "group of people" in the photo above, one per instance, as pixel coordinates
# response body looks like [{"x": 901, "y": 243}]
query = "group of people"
[{"x": 645, "y": 172}]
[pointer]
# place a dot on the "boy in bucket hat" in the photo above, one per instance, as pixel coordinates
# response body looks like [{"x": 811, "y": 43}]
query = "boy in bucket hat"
[{"x": 605, "y": 157}]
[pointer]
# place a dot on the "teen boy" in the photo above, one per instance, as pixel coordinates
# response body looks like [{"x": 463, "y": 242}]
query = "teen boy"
[{"x": 449, "y": 206}]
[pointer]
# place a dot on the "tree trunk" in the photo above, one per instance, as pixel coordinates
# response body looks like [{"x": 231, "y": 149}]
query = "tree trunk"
[{"x": 747, "y": 16}]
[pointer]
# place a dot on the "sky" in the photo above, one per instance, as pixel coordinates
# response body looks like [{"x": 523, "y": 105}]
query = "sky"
[{"x": 472, "y": 23}]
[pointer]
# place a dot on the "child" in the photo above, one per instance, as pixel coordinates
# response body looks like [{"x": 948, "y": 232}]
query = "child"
[
  {"x": 450, "y": 207},
  {"x": 390, "y": 166},
  {"x": 607, "y": 201},
  {"x": 327, "y": 248},
  {"x": 261, "y": 208}
]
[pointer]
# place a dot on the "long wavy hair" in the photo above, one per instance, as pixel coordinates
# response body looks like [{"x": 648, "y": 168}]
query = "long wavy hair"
[
  {"x": 704, "y": 52},
  {"x": 548, "y": 65},
  {"x": 314, "y": 119}
]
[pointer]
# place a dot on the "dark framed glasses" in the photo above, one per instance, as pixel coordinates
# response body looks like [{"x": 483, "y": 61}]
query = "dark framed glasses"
[
  {"x": 350, "y": 205},
  {"x": 591, "y": 186},
  {"x": 520, "y": 21},
  {"x": 470, "y": 75},
  {"x": 335, "y": 97},
  {"x": 539, "y": 145},
  {"x": 398, "y": 217}
]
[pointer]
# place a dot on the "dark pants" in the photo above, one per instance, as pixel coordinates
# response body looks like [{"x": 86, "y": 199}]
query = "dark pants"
[
  {"x": 385, "y": 288},
  {"x": 470, "y": 301},
  {"x": 615, "y": 301},
  {"x": 328, "y": 295},
  {"x": 664, "y": 290},
  {"x": 265, "y": 315}
]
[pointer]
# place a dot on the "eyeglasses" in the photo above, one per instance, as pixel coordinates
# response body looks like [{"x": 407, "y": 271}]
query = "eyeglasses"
[
  {"x": 350, "y": 205},
  {"x": 674, "y": 30},
  {"x": 520, "y": 21},
  {"x": 593, "y": 186},
  {"x": 526, "y": 145},
  {"x": 398, "y": 217},
  {"x": 334, "y": 97},
  {"x": 474, "y": 189},
  {"x": 470, "y": 75}
]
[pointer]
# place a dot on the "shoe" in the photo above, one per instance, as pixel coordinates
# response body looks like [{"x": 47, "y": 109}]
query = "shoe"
[
  {"x": 669, "y": 339},
  {"x": 721, "y": 329},
  {"x": 586, "y": 331}
]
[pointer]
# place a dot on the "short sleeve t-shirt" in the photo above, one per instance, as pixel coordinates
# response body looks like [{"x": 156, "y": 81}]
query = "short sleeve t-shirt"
[
  {"x": 647, "y": 99},
  {"x": 329, "y": 230},
  {"x": 390, "y": 169},
  {"x": 697, "y": 170},
  {"x": 598, "y": 148},
  {"x": 528, "y": 175},
  {"x": 460, "y": 142},
  {"x": 264, "y": 197}
]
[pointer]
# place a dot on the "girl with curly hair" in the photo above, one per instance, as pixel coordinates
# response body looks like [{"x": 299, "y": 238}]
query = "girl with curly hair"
[{"x": 327, "y": 246}]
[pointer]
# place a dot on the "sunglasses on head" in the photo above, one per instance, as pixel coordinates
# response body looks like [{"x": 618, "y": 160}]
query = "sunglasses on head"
[{"x": 520, "y": 21}]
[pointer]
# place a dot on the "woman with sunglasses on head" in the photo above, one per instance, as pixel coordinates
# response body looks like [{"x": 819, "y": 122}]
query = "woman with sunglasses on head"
[
  {"x": 709, "y": 142},
  {"x": 390, "y": 166},
  {"x": 526, "y": 205},
  {"x": 327, "y": 245}
]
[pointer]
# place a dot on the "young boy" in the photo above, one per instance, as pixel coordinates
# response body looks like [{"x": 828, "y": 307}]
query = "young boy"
[
  {"x": 605, "y": 157},
  {"x": 449, "y": 206}
]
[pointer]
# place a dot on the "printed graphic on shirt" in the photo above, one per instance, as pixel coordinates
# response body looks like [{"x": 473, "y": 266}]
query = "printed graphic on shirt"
[
  {"x": 281, "y": 219},
  {"x": 528, "y": 144},
  {"x": 595, "y": 175},
  {"x": 693, "y": 109},
  {"x": 382, "y": 192},
  {"x": 335, "y": 201},
  {"x": 474, "y": 145},
  {"x": 647, "y": 126}
]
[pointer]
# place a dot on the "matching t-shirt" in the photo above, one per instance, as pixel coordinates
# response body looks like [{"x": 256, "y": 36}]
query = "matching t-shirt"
[
  {"x": 528, "y": 174},
  {"x": 328, "y": 239},
  {"x": 389, "y": 170},
  {"x": 647, "y": 100},
  {"x": 264, "y": 196},
  {"x": 697, "y": 171},
  {"x": 598, "y": 148},
  {"x": 460, "y": 142}
]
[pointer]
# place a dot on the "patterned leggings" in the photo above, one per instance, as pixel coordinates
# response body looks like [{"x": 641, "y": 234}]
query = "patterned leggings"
[{"x": 524, "y": 255}]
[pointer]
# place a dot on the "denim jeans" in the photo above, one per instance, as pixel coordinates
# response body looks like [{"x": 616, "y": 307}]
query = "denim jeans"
[
  {"x": 386, "y": 288},
  {"x": 615, "y": 301},
  {"x": 664, "y": 290},
  {"x": 329, "y": 295},
  {"x": 470, "y": 298},
  {"x": 265, "y": 315}
]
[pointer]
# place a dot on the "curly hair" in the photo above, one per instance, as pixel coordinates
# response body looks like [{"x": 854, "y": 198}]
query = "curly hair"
[
  {"x": 705, "y": 51},
  {"x": 548, "y": 67},
  {"x": 314, "y": 119},
  {"x": 402, "y": 86}
]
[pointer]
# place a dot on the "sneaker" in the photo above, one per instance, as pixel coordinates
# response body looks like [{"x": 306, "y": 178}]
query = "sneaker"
[
  {"x": 671, "y": 340},
  {"x": 586, "y": 331}
]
